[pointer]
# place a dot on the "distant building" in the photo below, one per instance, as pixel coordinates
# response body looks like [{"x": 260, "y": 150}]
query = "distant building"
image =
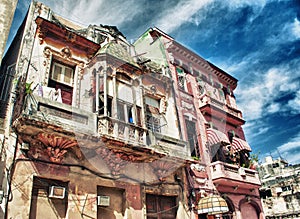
[
  {"x": 280, "y": 191},
  {"x": 96, "y": 127}
]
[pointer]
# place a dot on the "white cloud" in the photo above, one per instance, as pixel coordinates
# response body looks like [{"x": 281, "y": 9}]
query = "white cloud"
[
  {"x": 296, "y": 28},
  {"x": 258, "y": 97},
  {"x": 291, "y": 149},
  {"x": 289, "y": 33},
  {"x": 273, "y": 108},
  {"x": 242, "y": 3},
  {"x": 96, "y": 11},
  {"x": 262, "y": 130},
  {"x": 181, "y": 13},
  {"x": 294, "y": 104}
]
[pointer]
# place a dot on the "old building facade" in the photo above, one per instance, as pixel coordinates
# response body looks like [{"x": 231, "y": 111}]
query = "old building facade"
[
  {"x": 280, "y": 189},
  {"x": 212, "y": 125},
  {"x": 96, "y": 127}
]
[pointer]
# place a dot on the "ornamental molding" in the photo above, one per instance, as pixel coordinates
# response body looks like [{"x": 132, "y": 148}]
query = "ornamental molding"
[{"x": 46, "y": 141}]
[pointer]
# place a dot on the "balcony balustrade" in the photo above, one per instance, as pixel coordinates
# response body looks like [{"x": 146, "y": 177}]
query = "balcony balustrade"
[
  {"x": 207, "y": 100},
  {"x": 224, "y": 174},
  {"x": 120, "y": 130}
]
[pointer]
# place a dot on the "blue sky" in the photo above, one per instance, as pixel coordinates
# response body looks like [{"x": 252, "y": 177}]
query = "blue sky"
[{"x": 256, "y": 41}]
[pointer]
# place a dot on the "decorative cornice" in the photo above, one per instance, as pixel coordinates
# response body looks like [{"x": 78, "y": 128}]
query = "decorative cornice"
[{"x": 48, "y": 29}]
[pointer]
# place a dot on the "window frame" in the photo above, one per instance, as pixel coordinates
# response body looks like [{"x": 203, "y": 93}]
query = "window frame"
[
  {"x": 62, "y": 74},
  {"x": 152, "y": 119},
  {"x": 181, "y": 78},
  {"x": 126, "y": 112}
]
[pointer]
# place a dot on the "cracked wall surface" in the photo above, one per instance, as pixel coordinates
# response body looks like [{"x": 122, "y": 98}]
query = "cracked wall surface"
[{"x": 7, "y": 10}]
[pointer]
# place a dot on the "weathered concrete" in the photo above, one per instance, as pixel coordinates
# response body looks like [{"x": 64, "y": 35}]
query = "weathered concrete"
[{"x": 7, "y": 11}]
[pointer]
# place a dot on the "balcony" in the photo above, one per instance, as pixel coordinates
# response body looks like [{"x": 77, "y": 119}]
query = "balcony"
[
  {"x": 57, "y": 113},
  {"x": 122, "y": 131},
  {"x": 214, "y": 107},
  {"x": 231, "y": 175},
  {"x": 133, "y": 136}
]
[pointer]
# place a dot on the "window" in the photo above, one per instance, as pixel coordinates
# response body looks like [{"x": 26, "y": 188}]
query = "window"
[
  {"x": 125, "y": 111},
  {"x": 6, "y": 81},
  {"x": 286, "y": 188},
  {"x": 62, "y": 74},
  {"x": 161, "y": 207},
  {"x": 139, "y": 116},
  {"x": 265, "y": 193},
  {"x": 101, "y": 105},
  {"x": 129, "y": 114},
  {"x": 152, "y": 114},
  {"x": 231, "y": 134},
  {"x": 120, "y": 110},
  {"x": 5, "y": 87},
  {"x": 192, "y": 138},
  {"x": 181, "y": 78},
  {"x": 61, "y": 78},
  {"x": 153, "y": 122}
]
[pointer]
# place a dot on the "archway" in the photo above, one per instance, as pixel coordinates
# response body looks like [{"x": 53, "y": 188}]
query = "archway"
[
  {"x": 249, "y": 209},
  {"x": 229, "y": 214}
]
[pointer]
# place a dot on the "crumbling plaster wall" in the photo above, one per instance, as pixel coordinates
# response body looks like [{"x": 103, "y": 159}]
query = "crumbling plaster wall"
[{"x": 7, "y": 11}]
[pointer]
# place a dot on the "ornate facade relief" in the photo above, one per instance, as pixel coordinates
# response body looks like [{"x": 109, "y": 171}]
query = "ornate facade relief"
[
  {"x": 163, "y": 168},
  {"x": 46, "y": 142}
]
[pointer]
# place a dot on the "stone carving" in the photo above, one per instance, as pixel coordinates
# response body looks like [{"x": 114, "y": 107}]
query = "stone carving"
[
  {"x": 56, "y": 146},
  {"x": 113, "y": 161},
  {"x": 162, "y": 168},
  {"x": 66, "y": 52}
]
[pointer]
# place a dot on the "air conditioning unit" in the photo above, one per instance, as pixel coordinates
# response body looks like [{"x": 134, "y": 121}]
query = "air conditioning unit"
[
  {"x": 57, "y": 192},
  {"x": 103, "y": 200},
  {"x": 278, "y": 189},
  {"x": 242, "y": 171}
]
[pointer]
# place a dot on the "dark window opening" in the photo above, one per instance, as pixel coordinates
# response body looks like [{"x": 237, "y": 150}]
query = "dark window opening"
[
  {"x": 109, "y": 106},
  {"x": 139, "y": 116},
  {"x": 231, "y": 134},
  {"x": 101, "y": 104},
  {"x": 5, "y": 87},
  {"x": 181, "y": 81},
  {"x": 265, "y": 193},
  {"x": 275, "y": 165},
  {"x": 129, "y": 114},
  {"x": 192, "y": 138}
]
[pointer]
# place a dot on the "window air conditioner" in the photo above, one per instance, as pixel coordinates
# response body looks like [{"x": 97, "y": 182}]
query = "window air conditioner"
[
  {"x": 57, "y": 192},
  {"x": 278, "y": 189},
  {"x": 103, "y": 200}
]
